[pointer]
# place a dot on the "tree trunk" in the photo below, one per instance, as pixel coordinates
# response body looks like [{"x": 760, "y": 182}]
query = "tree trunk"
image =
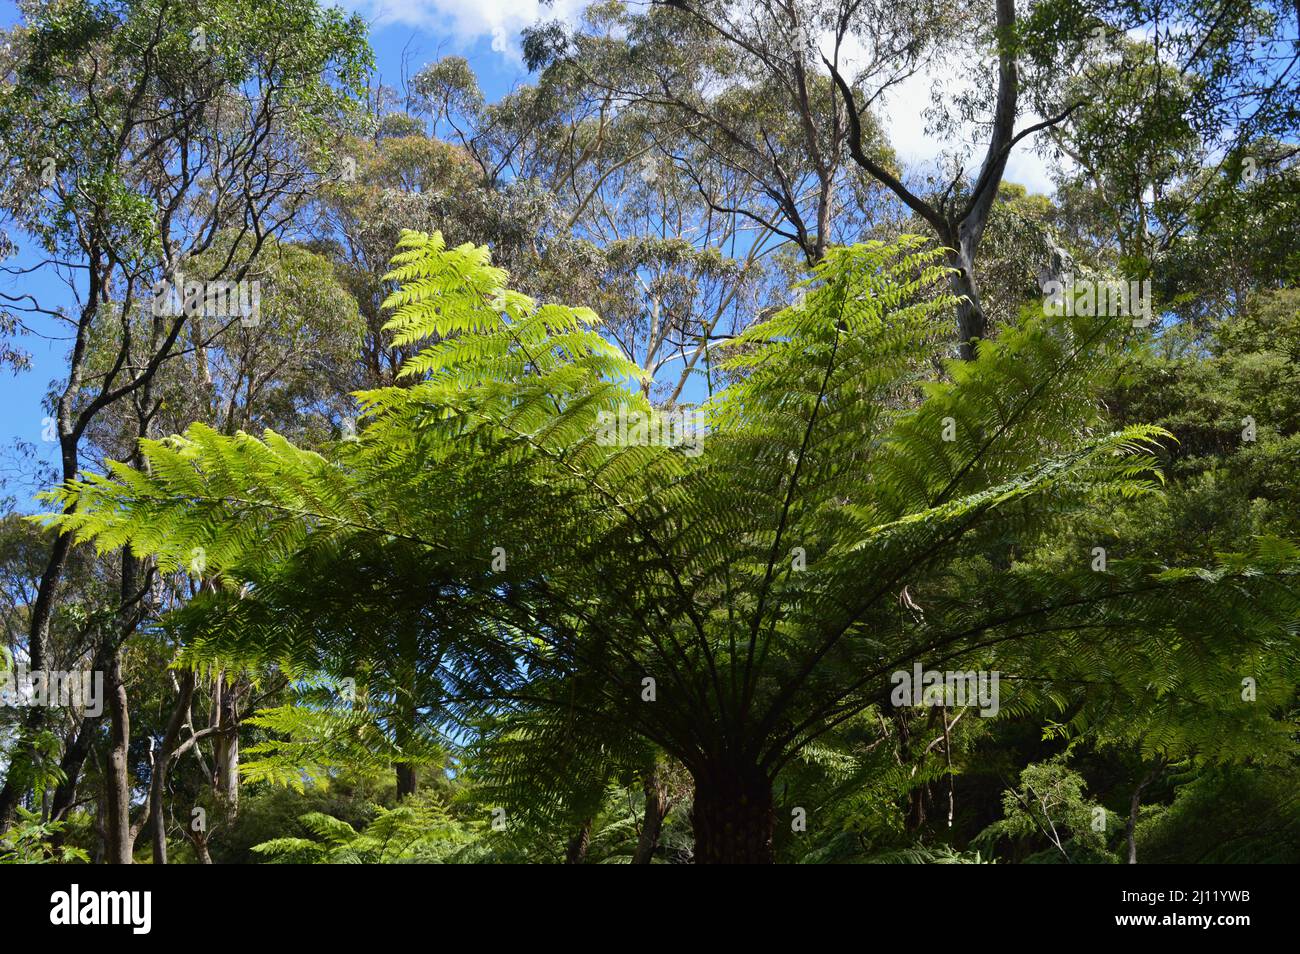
[
  {"x": 43, "y": 606},
  {"x": 407, "y": 780},
  {"x": 77, "y": 749},
  {"x": 733, "y": 817},
  {"x": 200, "y": 842},
  {"x": 23, "y": 754},
  {"x": 1134, "y": 805},
  {"x": 162, "y": 763},
  {"x": 656, "y": 807},
  {"x": 117, "y": 778},
  {"x": 225, "y": 755},
  {"x": 971, "y": 320},
  {"x": 576, "y": 853},
  {"x": 1131, "y": 831},
  {"x": 74, "y": 759}
]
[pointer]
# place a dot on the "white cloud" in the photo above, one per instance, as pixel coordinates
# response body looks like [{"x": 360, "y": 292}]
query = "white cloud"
[
  {"x": 903, "y": 109},
  {"x": 467, "y": 21},
  {"x": 903, "y": 115}
]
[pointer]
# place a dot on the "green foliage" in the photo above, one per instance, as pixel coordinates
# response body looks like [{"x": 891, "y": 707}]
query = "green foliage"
[
  {"x": 922, "y": 855},
  {"x": 424, "y": 522},
  {"x": 1049, "y": 807},
  {"x": 306, "y": 743},
  {"x": 78, "y": 85},
  {"x": 630, "y": 559},
  {"x": 1233, "y": 815},
  {"x": 420, "y": 831},
  {"x": 27, "y": 842}
]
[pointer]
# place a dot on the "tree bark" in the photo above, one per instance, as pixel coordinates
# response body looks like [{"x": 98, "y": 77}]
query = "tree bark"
[
  {"x": 78, "y": 747},
  {"x": 162, "y": 763},
  {"x": 733, "y": 817},
  {"x": 656, "y": 808},
  {"x": 1134, "y": 805},
  {"x": 407, "y": 780},
  {"x": 117, "y": 778},
  {"x": 74, "y": 759},
  {"x": 200, "y": 842},
  {"x": 225, "y": 756},
  {"x": 971, "y": 320},
  {"x": 576, "y": 853}
]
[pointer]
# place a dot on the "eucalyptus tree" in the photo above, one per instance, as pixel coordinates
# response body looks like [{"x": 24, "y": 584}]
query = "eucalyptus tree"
[
  {"x": 738, "y": 605},
  {"x": 288, "y": 367},
  {"x": 403, "y": 178},
  {"x": 782, "y": 93},
  {"x": 727, "y": 113},
  {"x": 793, "y": 93},
  {"x": 135, "y": 133},
  {"x": 662, "y": 253},
  {"x": 1178, "y": 112}
]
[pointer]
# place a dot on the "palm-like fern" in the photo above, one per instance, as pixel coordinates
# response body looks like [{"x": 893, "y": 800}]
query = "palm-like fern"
[
  {"x": 845, "y": 519},
  {"x": 419, "y": 831}
]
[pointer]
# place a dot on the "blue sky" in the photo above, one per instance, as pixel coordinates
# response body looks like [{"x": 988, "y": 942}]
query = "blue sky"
[{"x": 413, "y": 32}]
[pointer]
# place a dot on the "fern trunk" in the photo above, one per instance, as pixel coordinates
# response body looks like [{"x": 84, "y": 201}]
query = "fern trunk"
[
  {"x": 407, "y": 780},
  {"x": 733, "y": 817}
]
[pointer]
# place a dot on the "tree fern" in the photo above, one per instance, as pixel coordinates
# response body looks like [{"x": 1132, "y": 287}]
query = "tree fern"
[{"x": 846, "y": 519}]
